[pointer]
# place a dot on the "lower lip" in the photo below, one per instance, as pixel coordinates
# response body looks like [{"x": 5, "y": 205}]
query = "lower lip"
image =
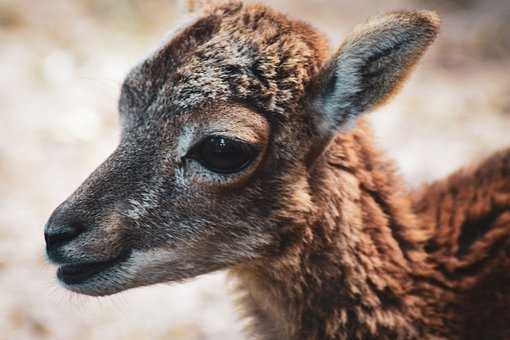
[{"x": 71, "y": 274}]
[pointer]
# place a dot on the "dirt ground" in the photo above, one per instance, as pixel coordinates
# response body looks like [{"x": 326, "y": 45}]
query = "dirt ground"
[{"x": 61, "y": 65}]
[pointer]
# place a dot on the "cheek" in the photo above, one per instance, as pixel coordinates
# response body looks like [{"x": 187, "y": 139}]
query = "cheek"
[
  {"x": 239, "y": 211},
  {"x": 194, "y": 216},
  {"x": 208, "y": 227}
]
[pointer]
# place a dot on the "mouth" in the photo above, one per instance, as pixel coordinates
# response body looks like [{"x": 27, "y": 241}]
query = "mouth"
[{"x": 73, "y": 274}]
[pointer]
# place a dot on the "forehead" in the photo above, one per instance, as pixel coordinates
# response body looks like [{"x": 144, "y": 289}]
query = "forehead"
[
  {"x": 246, "y": 54},
  {"x": 185, "y": 129}
]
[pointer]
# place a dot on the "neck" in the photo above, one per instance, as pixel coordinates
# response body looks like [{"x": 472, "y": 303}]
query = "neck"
[{"x": 352, "y": 267}]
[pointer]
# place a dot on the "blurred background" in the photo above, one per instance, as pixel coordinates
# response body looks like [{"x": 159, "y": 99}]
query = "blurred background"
[{"x": 61, "y": 66}]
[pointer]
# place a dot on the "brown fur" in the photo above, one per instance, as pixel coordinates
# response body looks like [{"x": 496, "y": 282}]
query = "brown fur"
[
  {"x": 400, "y": 277},
  {"x": 469, "y": 213},
  {"x": 319, "y": 230}
]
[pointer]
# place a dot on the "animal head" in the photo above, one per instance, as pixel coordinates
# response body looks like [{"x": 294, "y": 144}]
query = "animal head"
[{"x": 221, "y": 127}]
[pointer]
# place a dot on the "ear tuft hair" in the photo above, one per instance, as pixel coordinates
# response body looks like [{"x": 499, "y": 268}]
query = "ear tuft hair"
[{"x": 371, "y": 65}]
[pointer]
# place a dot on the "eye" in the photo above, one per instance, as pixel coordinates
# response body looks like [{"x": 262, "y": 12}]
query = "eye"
[{"x": 223, "y": 155}]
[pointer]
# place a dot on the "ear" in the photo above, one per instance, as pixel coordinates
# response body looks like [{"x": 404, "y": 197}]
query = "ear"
[{"x": 370, "y": 66}]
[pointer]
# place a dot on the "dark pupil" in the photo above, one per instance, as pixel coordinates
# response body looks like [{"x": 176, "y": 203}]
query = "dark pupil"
[{"x": 224, "y": 155}]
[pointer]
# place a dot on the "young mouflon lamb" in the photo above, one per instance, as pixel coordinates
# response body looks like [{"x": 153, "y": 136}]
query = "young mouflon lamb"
[{"x": 243, "y": 148}]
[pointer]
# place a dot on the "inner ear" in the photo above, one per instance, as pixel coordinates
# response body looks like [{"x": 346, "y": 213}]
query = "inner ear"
[{"x": 370, "y": 66}]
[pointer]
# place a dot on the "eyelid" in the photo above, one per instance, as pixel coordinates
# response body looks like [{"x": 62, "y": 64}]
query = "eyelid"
[
  {"x": 246, "y": 135},
  {"x": 256, "y": 146},
  {"x": 192, "y": 162}
]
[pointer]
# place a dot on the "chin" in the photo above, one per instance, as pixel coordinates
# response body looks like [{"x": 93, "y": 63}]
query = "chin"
[
  {"x": 128, "y": 270},
  {"x": 97, "y": 278}
]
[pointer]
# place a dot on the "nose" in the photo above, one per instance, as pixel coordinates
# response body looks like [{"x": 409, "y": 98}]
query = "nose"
[
  {"x": 61, "y": 228},
  {"x": 56, "y": 235}
]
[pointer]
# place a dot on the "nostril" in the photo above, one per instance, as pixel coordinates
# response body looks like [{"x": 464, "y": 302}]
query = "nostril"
[{"x": 58, "y": 235}]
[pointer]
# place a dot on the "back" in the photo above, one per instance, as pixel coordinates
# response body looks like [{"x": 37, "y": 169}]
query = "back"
[{"x": 469, "y": 213}]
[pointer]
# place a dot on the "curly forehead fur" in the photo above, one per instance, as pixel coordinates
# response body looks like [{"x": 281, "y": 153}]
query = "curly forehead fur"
[{"x": 245, "y": 53}]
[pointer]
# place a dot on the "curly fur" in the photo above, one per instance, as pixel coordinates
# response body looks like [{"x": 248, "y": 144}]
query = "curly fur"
[{"x": 319, "y": 230}]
